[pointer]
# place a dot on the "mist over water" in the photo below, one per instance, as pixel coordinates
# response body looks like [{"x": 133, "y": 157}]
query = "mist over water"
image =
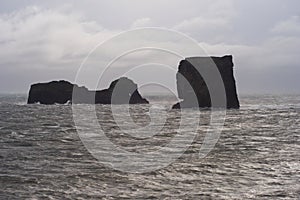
[{"x": 256, "y": 157}]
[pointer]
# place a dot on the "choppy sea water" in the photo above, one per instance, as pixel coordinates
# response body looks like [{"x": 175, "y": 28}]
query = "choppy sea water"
[{"x": 256, "y": 157}]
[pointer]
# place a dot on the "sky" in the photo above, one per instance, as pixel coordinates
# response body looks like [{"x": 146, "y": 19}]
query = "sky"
[{"x": 50, "y": 40}]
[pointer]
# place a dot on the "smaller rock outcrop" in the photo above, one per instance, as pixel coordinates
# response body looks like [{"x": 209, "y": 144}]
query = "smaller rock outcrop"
[
  {"x": 193, "y": 89},
  {"x": 120, "y": 91}
]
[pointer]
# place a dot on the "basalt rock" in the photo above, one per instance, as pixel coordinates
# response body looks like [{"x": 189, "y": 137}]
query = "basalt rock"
[
  {"x": 120, "y": 91},
  {"x": 190, "y": 81}
]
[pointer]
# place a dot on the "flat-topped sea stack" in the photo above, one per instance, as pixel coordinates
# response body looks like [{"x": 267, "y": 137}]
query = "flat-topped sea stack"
[
  {"x": 190, "y": 81},
  {"x": 120, "y": 91}
]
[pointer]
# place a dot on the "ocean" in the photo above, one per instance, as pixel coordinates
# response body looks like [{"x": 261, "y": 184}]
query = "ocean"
[{"x": 257, "y": 155}]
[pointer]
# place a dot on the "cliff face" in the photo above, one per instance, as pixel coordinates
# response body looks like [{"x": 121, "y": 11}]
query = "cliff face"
[
  {"x": 120, "y": 91},
  {"x": 50, "y": 93},
  {"x": 190, "y": 81}
]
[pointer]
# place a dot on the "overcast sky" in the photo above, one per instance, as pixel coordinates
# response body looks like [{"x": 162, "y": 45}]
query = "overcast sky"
[{"x": 48, "y": 40}]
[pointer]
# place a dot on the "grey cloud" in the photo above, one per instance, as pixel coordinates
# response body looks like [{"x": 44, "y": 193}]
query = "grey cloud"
[
  {"x": 288, "y": 26},
  {"x": 44, "y": 40}
]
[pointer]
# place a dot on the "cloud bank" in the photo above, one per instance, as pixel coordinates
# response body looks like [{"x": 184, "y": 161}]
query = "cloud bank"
[{"x": 40, "y": 43}]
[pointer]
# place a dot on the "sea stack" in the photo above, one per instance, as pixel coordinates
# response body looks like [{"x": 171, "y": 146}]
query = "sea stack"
[
  {"x": 190, "y": 81},
  {"x": 120, "y": 91}
]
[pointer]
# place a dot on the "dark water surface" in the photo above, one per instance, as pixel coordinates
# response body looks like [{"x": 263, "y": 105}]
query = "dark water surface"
[{"x": 256, "y": 157}]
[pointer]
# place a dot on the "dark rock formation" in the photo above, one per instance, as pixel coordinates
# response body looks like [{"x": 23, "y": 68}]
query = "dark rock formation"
[
  {"x": 190, "y": 81},
  {"x": 120, "y": 91}
]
